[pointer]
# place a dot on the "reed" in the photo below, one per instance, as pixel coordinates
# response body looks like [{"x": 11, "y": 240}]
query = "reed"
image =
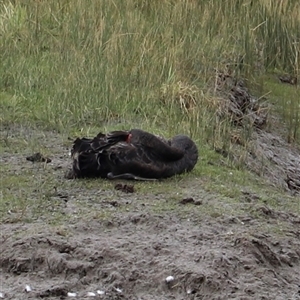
[{"x": 76, "y": 63}]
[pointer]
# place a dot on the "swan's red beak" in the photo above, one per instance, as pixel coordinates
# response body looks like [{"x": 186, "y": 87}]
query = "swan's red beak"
[{"x": 128, "y": 140}]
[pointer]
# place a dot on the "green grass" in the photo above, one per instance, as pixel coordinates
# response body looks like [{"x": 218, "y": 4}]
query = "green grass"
[
  {"x": 71, "y": 64},
  {"x": 286, "y": 104}
]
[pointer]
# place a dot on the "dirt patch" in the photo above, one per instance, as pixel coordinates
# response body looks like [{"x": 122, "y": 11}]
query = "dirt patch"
[
  {"x": 276, "y": 160},
  {"x": 131, "y": 258},
  {"x": 108, "y": 244}
]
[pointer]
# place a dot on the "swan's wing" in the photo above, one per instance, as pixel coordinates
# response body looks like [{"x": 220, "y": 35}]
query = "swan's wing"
[
  {"x": 136, "y": 162},
  {"x": 104, "y": 141},
  {"x": 100, "y": 142}
]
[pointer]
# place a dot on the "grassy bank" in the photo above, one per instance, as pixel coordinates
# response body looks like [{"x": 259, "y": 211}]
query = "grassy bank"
[{"x": 76, "y": 64}]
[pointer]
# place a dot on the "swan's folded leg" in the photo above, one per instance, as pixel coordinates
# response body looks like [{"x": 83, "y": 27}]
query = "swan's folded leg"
[{"x": 129, "y": 176}]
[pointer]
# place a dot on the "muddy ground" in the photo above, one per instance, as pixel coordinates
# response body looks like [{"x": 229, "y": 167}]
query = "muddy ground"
[{"x": 85, "y": 239}]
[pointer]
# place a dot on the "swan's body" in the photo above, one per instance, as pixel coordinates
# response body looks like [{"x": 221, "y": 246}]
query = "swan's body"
[{"x": 133, "y": 154}]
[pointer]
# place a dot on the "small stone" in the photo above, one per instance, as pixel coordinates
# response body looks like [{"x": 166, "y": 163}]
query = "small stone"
[
  {"x": 169, "y": 279},
  {"x": 27, "y": 288},
  {"x": 71, "y": 294},
  {"x": 99, "y": 292}
]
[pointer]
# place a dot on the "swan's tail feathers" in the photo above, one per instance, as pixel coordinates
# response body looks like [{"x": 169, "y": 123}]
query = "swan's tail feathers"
[
  {"x": 88, "y": 154},
  {"x": 81, "y": 145},
  {"x": 100, "y": 142},
  {"x": 87, "y": 164},
  {"x": 104, "y": 141}
]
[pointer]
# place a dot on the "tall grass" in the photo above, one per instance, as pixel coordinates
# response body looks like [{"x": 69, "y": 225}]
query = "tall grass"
[{"x": 89, "y": 63}]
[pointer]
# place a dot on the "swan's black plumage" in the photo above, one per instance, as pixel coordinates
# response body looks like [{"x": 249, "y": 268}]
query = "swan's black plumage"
[{"x": 134, "y": 154}]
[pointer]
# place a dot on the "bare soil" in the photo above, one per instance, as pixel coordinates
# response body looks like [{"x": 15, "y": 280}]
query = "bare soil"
[{"x": 127, "y": 244}]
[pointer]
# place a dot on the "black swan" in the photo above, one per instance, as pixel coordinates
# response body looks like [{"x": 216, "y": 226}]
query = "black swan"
[{"x": 134, "y": 154}]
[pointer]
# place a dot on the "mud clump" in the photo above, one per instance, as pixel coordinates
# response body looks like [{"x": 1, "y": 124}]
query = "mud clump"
[
  {"x": 293, "y": 179},
  {"x": 38, "y": 157},
  {"x": 126, "y": 188},
  {"x": 190, "y": 201}
]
